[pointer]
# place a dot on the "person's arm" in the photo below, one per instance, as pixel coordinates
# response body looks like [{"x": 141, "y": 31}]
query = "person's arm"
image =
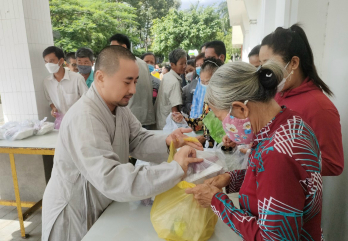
[
  {"x": 48, "y": 98},
  {"x": 281, "y": 200},
  {"x": 236, "y": 181},
  {"x": 327, "y": 128},
  {"x": 88, "y": 144},
  {"x": 143, "y": 144},
  {"x": 175, "y": 96},
  {"x": 82, "y": 86}
]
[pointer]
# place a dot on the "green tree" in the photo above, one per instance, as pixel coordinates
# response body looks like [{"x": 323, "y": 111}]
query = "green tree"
[
  {"x": 87, "y": 23},
  {"x": 185, "y": 29},
  {"x": 147, "y": 11}
]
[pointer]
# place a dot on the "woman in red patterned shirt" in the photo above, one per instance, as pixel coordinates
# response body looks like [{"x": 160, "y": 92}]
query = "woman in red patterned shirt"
[{"x": 280, "y": 192}]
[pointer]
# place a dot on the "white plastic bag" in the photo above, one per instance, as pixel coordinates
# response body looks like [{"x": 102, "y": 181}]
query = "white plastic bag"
[
  {"x": 237, "y": 160},
  {"x": 171, "y": 125},
  {"x": 6, "y": 127},
  {"x": 213, "y": 165}
]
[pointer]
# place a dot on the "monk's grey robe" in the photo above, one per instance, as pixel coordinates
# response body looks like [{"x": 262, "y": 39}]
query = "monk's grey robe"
[{"x": 91, "y": 167}]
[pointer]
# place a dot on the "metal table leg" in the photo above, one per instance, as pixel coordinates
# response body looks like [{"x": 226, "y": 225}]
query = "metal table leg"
[{"x": 18, "y": 199}]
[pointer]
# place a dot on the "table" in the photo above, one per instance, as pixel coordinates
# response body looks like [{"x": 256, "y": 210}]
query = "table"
[
  {"x": 35, "y": 145},
  {"x": 122, "y": 222}
]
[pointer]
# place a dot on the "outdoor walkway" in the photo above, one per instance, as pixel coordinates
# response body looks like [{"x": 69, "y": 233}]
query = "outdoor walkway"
[{"x": 9, "y": 225}]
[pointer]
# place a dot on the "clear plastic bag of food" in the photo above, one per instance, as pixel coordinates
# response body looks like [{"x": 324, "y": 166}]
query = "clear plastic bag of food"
[{"x": 171, "y": 125}]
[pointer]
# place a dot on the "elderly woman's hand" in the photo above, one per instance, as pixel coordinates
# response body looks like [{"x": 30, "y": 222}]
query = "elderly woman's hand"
[
  {"x": 219, "y": 181},
  {"x": 227, "y": 142},
  {"x": 203, "y": 193}
]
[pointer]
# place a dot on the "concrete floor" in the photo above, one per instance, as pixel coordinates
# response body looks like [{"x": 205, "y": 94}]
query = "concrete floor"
[{"x": 9, "y": 225}]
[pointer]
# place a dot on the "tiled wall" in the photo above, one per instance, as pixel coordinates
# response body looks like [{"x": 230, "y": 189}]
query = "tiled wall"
[{"x": 25, "y": 31}]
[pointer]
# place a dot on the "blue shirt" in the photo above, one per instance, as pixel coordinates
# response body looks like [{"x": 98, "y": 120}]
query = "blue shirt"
[
  {"x": 198, "y": 100},
  {"x": 90, "y": 79}
]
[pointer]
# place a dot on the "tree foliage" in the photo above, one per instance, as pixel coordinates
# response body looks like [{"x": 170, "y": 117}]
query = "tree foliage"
[
  {"x": 80, "y": 23},
  {"x": 185, "y": 29},
  {"x": 147, "y": 11}
]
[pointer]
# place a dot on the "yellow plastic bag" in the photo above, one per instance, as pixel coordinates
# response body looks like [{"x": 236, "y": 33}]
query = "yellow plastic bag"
[
  {"x": 172, "y": 149},
  {"x": 176, "y": 216}
]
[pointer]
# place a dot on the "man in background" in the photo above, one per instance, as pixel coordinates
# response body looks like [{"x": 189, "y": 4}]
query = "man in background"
[
  {"x": 141, "y": 104},
  {"x": 70, "y": 61},
  {"x": 62, "y": 88},
  {"x": 85, "y": 62},
  {"x": 254, "y": 56},
  {"x": 169, "y": 99},
  {"x": 150, "y": 59},
  {"x": 216, "y": 49}
]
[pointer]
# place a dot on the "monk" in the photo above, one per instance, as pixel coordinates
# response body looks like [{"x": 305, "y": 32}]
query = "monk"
[{"x": 97, "y": 135}]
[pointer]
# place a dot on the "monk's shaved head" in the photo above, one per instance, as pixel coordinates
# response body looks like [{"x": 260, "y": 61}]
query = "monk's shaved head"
[{"x": 109, "y": 59}]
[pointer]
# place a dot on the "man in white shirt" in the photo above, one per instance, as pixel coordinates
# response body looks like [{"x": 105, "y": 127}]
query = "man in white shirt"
[
  {"x": 141, "y": 104},
  {"x": 169, "y": 98},
  {"x": 62, "y": 88}
]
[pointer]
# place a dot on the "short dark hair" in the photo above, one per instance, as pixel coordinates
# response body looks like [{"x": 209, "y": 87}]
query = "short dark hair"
[
  {"x": 176, "y": 54},
  {"x": 53, "y": 49},
  {"x": 200, "y": 56},
  {"x": 255, "y": 51},
  {"x": 168, "y": 67},
  {"x": 293, "y": 42},
  {"x": 121, "y": 39},
  {"x": 191, "y": 62},
  {"x": 218, "y": 46},
  {"x": 109, "y": 58},
  {"x": 203, "y": 45},
  {"x": 69, "y": 56},
  {"x": 147, "y": 54},
  {"x": 85, "y": 53}
]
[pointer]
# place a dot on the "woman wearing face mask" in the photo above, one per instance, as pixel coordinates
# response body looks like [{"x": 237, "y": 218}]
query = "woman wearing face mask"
[
  {"x": 303, "y": 91},
  {"x": 280, "y": 192},
  {"x": 208, "y": 68},
  {"x": 188, "y": 90}
]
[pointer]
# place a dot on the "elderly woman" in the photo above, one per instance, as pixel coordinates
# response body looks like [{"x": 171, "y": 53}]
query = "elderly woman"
[{"x": 280, "y": 192}]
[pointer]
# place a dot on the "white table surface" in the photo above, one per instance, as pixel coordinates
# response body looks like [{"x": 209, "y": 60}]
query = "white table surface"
[
  {"x": 119, "y": 222},
  {"x": 47, "y": 141}
]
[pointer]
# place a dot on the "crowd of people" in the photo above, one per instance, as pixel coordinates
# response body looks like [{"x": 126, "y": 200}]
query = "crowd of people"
[{"x": 277, "y": 104}]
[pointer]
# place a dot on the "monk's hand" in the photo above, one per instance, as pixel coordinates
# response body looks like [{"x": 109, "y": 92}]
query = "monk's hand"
[
  {"x": 178, "y": 137},
  {"x": 219, "y": 181},
  {"x": 185, "y": 156},
  {"x": 227, "y": 142},
  {"x": 203, "y": 193}
]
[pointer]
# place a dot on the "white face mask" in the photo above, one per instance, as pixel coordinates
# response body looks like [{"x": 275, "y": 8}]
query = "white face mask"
[
  {"x": 189, "y": 76},
  {"x": 282, "y": 83},
  {"x": 52, "y": 68}
]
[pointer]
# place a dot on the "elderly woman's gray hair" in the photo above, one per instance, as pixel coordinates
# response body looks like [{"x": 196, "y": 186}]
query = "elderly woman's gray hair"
[
  {"x": 240, "y": 81},
  {"x": 176, "y": 54}
]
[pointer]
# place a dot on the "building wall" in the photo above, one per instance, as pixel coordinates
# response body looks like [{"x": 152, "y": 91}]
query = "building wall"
[
  {"x": 25, "y": 31},
  {"x": 324, "y": 22}
]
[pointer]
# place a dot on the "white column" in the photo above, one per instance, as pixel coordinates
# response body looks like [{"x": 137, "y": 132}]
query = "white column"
[{"x": 25, "y": 31}]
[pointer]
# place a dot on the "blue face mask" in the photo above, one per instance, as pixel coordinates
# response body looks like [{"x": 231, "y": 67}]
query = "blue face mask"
[
  {"x": 151, "y": 67},
  {"x": 198, "y": 70}
]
